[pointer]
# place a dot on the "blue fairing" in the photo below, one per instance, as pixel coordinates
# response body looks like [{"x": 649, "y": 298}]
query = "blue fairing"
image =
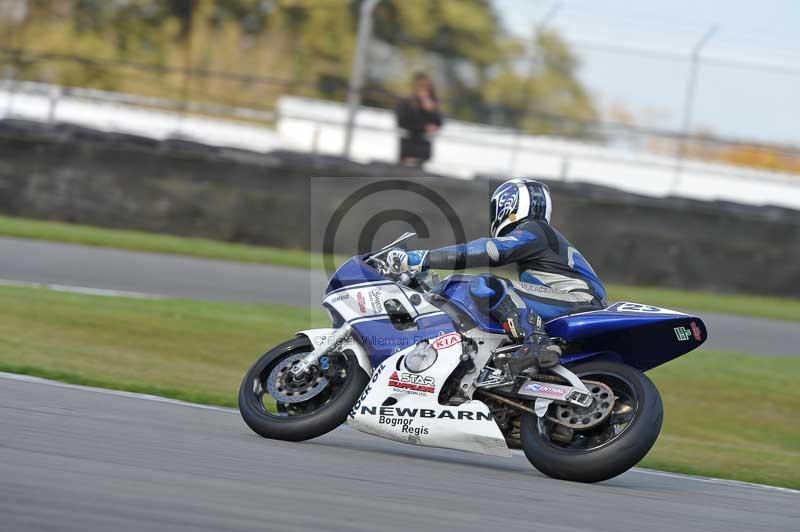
[
  {"x": 383, "y": 340},
  {"x": 639, "y": 335},
  {"x": 379, "y": 336},
  {"x": 643, "y": 338},
  {"x": 456, "y": 289},
  {"x": 353, "y": 271}
]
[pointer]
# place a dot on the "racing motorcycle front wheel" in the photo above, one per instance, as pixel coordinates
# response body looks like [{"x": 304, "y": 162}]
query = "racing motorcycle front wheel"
[
  {"x": 277, "y": 405},
  {"x": 603, "y": 440}
]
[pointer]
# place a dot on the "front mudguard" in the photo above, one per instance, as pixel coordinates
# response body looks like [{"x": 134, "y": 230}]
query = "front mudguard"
[{"x": 319, "y": 337}]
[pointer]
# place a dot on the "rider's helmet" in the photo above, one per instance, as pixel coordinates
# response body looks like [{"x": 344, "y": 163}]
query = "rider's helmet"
[{"x": 516, "y": 201}]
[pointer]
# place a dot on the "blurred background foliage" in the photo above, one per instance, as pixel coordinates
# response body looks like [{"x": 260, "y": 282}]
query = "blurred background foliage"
[{"x": 249, "y": 52}]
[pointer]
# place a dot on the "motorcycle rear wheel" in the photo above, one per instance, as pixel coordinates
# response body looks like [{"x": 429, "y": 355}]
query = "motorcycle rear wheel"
[
  {"x": 275, "y": 406},
  {"x": 610, "y": 448}
]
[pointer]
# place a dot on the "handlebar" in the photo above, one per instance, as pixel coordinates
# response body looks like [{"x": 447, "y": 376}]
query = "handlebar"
[
  {"x": 423, "y": 281},
  {"x": 404, "y": 278}
]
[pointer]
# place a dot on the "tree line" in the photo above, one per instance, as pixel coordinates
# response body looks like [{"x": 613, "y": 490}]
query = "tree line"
[{"x": 303, "y": 47}]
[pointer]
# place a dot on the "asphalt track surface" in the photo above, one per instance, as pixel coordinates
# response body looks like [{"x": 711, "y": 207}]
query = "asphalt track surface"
[
  {"x": 188, "y": 277},
  {"x": 90, "y": 460}
]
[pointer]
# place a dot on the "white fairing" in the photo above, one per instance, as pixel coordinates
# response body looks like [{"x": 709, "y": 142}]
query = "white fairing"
[
  {"x": 367, "y": 301},
  {"x": 320, "y": 337},
  {"x": 417, "y": 417}
]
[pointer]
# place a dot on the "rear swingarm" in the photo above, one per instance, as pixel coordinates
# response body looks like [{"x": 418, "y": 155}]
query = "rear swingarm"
[{"x": 579, "y": 405}]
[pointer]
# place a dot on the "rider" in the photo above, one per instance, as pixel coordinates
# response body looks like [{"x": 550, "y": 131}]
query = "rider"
[{"x": 555, "y": 279}]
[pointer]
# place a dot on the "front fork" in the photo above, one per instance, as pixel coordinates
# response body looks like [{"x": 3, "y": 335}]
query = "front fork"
[{"x": 332, "y": 343}]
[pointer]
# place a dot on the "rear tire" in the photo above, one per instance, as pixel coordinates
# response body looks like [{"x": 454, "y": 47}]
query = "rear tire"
[
  {"x": 623, "y": 450},
  {"x": 304, "y": 426}
]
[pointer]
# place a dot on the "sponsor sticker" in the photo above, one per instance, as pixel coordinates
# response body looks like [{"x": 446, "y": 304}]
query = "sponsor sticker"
[
  {"x": 448, "y": 340},
  {"x": 424, "y": 413},
  {"x": 375, "y": 374},
  {"x": 682, "y": 333},
  {"x": 362, "y": 303},
  {"x": 411, "y": 382},
  {"x": 544, "y": 389},
  {"x": 405, "y": 424},
  {"x": 375, "y": 300},
  {"x": 340, "y": 297},
  {"x": 696, "y": 332}
]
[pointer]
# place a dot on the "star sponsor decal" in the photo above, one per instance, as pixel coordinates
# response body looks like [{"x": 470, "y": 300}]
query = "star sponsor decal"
[{"x": 411, "y": 382}]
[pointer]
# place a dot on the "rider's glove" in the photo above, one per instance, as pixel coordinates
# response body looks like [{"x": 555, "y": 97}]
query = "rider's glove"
[
  {"x": 401, "y": 262},
  {"x": 397, "y": 260}
]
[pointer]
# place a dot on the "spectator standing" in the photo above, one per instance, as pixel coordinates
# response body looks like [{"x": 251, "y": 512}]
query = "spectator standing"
[{"x": 419, "y": 116}]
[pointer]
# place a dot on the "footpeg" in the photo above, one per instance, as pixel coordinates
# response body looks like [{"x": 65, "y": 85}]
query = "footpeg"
[{"x": 494, "y": 378}]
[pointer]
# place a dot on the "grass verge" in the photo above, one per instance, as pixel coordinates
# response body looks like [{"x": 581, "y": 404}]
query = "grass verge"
[
  {"x": 197, "y": 351},
  {"x": 153, "y": 242},
  {"x": 727, "y": 415},
  {"x": 764, "y": 307}
]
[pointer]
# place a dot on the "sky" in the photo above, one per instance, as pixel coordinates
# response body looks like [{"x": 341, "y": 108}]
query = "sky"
[{"x": 743, "y": 103}]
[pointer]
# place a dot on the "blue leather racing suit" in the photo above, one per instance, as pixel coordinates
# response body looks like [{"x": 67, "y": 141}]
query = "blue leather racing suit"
[{"x": 554, "y": 278}]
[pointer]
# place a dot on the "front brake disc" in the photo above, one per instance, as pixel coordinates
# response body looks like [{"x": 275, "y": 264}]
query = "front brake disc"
[{"x": 285, "y": 388}]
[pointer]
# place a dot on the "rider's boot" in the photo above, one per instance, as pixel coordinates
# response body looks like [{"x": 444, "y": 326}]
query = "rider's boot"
[{"x": 525, "y": 327}]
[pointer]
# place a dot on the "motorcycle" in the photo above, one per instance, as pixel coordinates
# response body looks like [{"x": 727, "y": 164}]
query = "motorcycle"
[{"x": 414, "y": 359}]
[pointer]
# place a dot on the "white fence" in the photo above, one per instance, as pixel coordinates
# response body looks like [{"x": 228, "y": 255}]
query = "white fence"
[
  {"x": 464, "y": 149},
  {"x": 461, "y": 149},
  {"x": 148, "y": 117}
]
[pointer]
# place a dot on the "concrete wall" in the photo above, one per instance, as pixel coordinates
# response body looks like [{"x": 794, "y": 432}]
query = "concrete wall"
[{"x": 279, "y": 198}]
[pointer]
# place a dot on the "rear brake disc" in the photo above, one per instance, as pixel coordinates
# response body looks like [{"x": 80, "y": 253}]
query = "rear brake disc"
[{"x": 580, "y": 418}]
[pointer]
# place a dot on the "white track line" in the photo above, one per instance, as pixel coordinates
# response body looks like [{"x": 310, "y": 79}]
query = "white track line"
[
  {"x": 87, "y": 290},
  {"x": 712, "y": 480},
  {"x": 159, "y": 399},
  {"x": 117, "y": 393}
]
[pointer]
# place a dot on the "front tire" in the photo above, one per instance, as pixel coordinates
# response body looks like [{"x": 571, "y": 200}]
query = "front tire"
[
  {"x": 292, "y": 416},
  {"x": 612, "y": 447}
]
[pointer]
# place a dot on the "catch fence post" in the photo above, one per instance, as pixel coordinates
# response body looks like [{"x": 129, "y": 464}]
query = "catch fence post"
[
  {"x": 688, "y": 104},
  {"x": 315, "y": 139},
  {"x": 357, "y": 77},
  {"x": 565, "y": 168},
  {"x": 55, "y": 94}
]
